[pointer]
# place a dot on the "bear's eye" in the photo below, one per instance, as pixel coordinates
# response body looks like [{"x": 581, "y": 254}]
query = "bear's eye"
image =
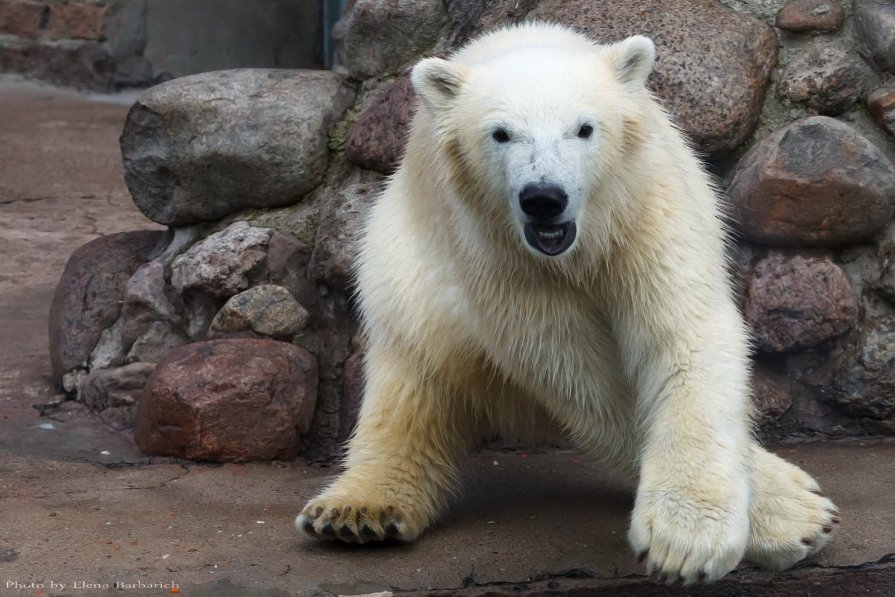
[
  {"x": 500, "y": 135},
  {"x": 585, "y": 131}
]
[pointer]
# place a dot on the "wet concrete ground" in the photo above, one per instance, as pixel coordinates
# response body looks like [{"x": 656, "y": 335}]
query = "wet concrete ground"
[{"x": 80, "y": 508}]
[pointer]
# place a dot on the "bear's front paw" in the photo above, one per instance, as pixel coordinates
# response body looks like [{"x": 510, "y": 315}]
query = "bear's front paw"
[
  {"x": 356, "y": 522},
  {"x": 688, "y": 538}
]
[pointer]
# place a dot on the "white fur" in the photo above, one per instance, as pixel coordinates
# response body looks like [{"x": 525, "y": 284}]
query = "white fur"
[{"x": 629, "y": 341}]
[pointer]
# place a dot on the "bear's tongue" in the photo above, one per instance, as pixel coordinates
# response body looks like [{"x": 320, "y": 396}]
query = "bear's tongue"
[{"x": 550, "y": 239}]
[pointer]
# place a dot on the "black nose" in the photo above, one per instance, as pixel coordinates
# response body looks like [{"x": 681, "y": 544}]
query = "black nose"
[{"x": 543, "y": 201}]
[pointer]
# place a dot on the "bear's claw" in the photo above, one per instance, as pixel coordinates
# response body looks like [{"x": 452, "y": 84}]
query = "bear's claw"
[{"x": 354, "y": 525}]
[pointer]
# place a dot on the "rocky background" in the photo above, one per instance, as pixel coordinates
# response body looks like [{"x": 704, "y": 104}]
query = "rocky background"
[{"x": 231, "y": 336}]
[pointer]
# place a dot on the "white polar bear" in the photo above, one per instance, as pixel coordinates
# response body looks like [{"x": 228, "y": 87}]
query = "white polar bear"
[{"x": 550, "y": 254}]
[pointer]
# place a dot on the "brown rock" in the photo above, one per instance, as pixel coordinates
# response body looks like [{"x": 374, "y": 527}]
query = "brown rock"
[
  {"x": 335, "y": 249},
  {"x": 882, "y": 106},
  {"x": 352, "y": 390},
  {"x": 770, "y": 396},
  {"x": 810, "y": 15},
  {"x": 376, "y": 140},
  {"x": 89, "y": 295},
  {"x": 21, "y": 18},
  {"x": 228, "y": 401},
  {"x": 713, "y": 64},
  {"x": 829, "y": 79},
  {"x": 268, "y": 310},
  {"x": 794, "y": 303},
  {"x": 76, "y": 20},
  {"x": 816, "y": 181},
  {"x": 472, "y": 17}
]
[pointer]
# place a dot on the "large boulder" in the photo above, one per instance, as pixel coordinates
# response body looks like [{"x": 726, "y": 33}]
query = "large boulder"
[
  {"x": 201, "y": 147},
  {"x": 377, "y": 138},
  {"x": 795, "y": 302},
  {"x": 816, "y": 181},
  {"x": 88, "y": 297},
  {"x": 875, "y": 29},
  {"x": 233, "y": 400},
  {"x": 713, "y": 64},
  {"x": 864, "y": 382}
]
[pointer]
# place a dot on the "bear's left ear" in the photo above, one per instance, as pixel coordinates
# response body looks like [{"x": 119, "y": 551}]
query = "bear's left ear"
[
  {"x": 437, "y": 82},
  {"x": 633, "y": 59}
]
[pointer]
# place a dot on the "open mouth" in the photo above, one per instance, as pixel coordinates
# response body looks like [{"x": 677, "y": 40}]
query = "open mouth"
[{"x": 550, "y": 239}]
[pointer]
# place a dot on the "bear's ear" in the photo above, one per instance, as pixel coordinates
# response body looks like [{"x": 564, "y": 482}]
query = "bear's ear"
[
  {"x": 437, "y": 82},
  {"x": 633, "y": 59}
]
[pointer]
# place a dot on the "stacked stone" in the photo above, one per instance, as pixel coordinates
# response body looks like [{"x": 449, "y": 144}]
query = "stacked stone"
[{"x": 264, "y": 177}]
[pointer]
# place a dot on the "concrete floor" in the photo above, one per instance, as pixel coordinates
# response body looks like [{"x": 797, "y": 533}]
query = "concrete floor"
[{"x": 79, "y": 504}]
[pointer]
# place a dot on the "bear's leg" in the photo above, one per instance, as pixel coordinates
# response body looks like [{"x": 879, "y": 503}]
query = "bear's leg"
[
  {"x": 789, "y": 518},
  {"x": 402, "y": 460}
]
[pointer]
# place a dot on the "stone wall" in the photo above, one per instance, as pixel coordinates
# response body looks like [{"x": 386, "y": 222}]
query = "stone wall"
[
  {"x": 108, "y": 44},
  {"x": 264, "y": 176}
]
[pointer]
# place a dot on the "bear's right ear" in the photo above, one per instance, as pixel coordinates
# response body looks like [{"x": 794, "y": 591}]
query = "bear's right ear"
[{"x": 437, "y": 82}]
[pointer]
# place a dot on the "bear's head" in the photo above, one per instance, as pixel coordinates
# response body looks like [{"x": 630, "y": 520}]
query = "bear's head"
[{"x": 532, "y": 120}]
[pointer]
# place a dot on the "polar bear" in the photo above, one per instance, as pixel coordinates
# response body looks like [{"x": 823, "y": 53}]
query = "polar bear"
[{"x": 550, "y": 255}]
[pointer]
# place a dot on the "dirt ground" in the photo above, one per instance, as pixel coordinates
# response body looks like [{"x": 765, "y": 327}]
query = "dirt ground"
[{"x": 81, "y": 508}]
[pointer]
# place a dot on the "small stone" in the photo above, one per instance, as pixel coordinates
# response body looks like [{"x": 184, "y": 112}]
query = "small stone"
[
  {"x": 715, "y": 102},
  {"x": 76, "y": 20},
  {"x": 268, "y": 310},
  {"x": 201, "y": 147},
  {"x": 221, "y": 264},
  {"x": 228, "y": 401},
  {"x": 795, "y": 303},
  {"x": 114, "y": 393},
  {"x": 376, "y": 140},
  {"x": 22, "y": 19},
  {"x": 344, "y": 210},
  {"x": 882, "y": 107},
  {"x": 816, "y": 181},
  {"x": 382, "y": 36},
  {"x": 145, "y": 302},
  {"x": 770, "y": 396},
  {"x": 875, "y": 29},
  {"x": 158, "y": 340},
  {"x": 89, "y": 295},
  {"x": 810, "y": 15},
  {"x": 827, "y": 78},
  {"x": 864, "y": 382}
]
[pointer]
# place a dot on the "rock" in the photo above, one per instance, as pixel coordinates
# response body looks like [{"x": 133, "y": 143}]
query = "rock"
[
  {"x": 770, "y": 396},
  {"x": 201, "y": 147},
  {"x": 882, "y": 106},
  {"x": 352, "y": 391},
  {"x": 885, "y": 283},
  {"x": 158, "y": 340},
  {"x": 470, "y": 18},
  {"x": 810, "y": 15},
  {"x": 268, "y": 310},
  {"x": 376, "y": 140},
  {"x": 110, "y": 350},
  {"x": 875, "y": 30},
  {"x": 228, "y": 401},
  {"x": 89, "y": 294},
  {"x": 22, "y": 19},
  {"x": 795, "y": 303},
  {"x": 816, "y": 181},
  {"x": 287, "y": 264},
  {"x": 828, "y": 78},
  {"x": 221, "y": 264},
  {"x": 76, "y": 20},
  {"x": 343, "y": 215},
  {"x": 145, "y": 302},
  {"x": 864, "y": 382},
  {"x": 716, "y": 102},
  {"x": 382, "y": 36},
  {"x": 114, "y": 392}
]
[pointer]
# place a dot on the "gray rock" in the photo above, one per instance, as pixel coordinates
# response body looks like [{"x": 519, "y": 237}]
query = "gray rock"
[
  {"x": 268, "y": 310},
  {"x": 110, "y": 349},
  {"x": 89, "y": 294},
  {"x": 335, "y": 249},
  {"x": 158, "y": 340},
  {"x": 470, "y": 18},
  {"x": 717, "y": 101},
  {"x": 875, "y": 30},
  {"x": 221, "y": 264},
  {"x": 816, "y": 181},
  {"x": 382, "y": 36},
  {"x": 795, "y": 303},
  {"x": 864, "y": 382},
  {"x": 114, "y": 393},
  {"x": 828, "y": 78},
  {"x": 886, "y": 262},
  {"x": 201, "y": 147},
  {"x": 145, "y": 302}
]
